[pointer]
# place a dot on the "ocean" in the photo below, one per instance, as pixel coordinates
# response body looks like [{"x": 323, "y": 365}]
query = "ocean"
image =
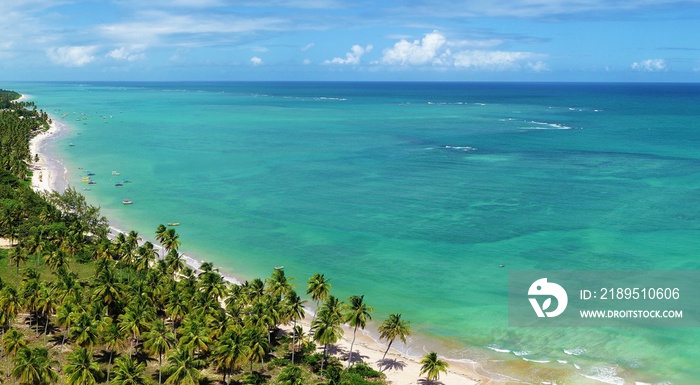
[{"x": 414, "y": 195}]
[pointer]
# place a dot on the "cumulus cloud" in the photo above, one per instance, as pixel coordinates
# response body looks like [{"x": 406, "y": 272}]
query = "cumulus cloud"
[
  {"x": 417, "y": 52},
  {"x": 352, "y": 57},
  {"x": 127, "y": 54},
  {"x": 434, "y": 49},
  {"x": 650, "y": 65},
  {"x": 256, "y": 61},
  {"x": 72, "y": 56}
]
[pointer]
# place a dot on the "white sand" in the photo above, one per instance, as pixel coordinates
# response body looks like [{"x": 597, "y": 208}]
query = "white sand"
[
  {"x": 399, "y": 368},
  {"x": 403, "y": 370},
  {"x": 43, "y": 178}
]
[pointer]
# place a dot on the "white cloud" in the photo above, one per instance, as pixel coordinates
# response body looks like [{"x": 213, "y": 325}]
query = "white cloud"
[
  {"x": 256, "y": 61},
  {"x": 416, "y": 52},
  {"x": 307, "y": 47},
  {"x": 352, "y": 57},
  {"x": 650, "y": 65},
  {"x": 434, "y": 49},
  {"x": 538, "y": 66},
  {"x": 72, "y": 56},
  {"x": 124, "y": 53}
]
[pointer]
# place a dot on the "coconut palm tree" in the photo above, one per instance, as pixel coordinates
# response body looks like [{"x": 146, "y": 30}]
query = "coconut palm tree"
[
  {"x": 12, "y": 342},
  {"x": 257, "y": 346},
  {"x": 195, "y": 334},
  {"x": 291, "y": 375},
  {"x": 392, "y": 328},
  {"x": 184, "y": 368},
  {"x": 326, "y": 328},
  {"x": 431, "y": 365},
  {"x": 81, "y": 369},
  {"x": 107, "y": 288},
  {"x": 229, "y": 352},
  {"x": 128, "y": 371},
  {"x": 171, "y": 241},
  {"x": 158, "y": 340},
  {"x": 160, "y": 233},
  {"x": 319, "y": 287},
  {"x": 174, "y": 261},
  {"x": 85, "y": 330},
  {"x": 111, "y": 338},
  {"x": 358, "y": 313},
  {"x": 294, "y": 307},
  {"x": 33, "y": 366},
  {"x": 18, "y": 255}
]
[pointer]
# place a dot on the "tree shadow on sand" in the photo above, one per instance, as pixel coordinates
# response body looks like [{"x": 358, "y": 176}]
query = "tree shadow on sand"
[
  {"x": 423, "y": 381},
  {"x": 391, "y": 364},
  {"x": 335, "y": 350}
]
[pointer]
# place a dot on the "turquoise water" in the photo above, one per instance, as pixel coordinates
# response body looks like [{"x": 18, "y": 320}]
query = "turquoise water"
[{"x": 413, "y": 194}]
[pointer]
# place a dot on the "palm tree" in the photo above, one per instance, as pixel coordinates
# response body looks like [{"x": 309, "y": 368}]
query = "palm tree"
[
  {"x": 327, "y": 330},
  {"x": 174, "y": 261},
  {"x": 358, "y": 315},
  {"x": 128, "y": 371},
  {"x": 257, "y": 346},
  {"x": 107, "y": 289},
  {"x": 432, "y": 366},
  {"x": 85, "y": 330},
  {"x": 195, "y": 335},
  {"x": 294, "y": 307},
  {"x": 17, "y": 255},
  {"x": 112, "y": 338},
  {"x": 33, "y": 366},
  {"x": 134, "y": 323},
  {"x": 81, "y": 369},
  {"x": 12, "y": 342},
  {"x": 56, "y": 259},
  {"x": 291, "y": 375},
  {"x": 184, "y": 368},
  {"x": 145, "y": 255},
  {"x": 393, "y": 327},
  {"x": 319, "y": 288},
  {"x": 159, "y": 340},
  {"x": 228, "y": 352},
  {"x": 160, "y": 233},
  {"x": 171, "y": 240}
]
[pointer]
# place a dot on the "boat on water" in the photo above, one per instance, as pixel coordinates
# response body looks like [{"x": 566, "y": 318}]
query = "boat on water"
[
  {"x": 89, "y": 173},
  {"x": 115, "y": 173},
  {"x": 173, "y": 223},
  {"x": 87, "y": 189},
  {"x": 86, "y": 179},
  {"x": 279, "y": 267},
  {"x": 119, "y": 184},
  {"x": 127, "y": 201},
  {"x": 91, "y": 182}
]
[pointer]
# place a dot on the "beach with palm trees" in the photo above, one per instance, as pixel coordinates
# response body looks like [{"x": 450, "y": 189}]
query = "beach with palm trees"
[{"x": 339, "y": 328}]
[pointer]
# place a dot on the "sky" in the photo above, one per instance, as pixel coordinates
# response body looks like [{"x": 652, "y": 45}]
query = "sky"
[{"x": 359, "y": 40}]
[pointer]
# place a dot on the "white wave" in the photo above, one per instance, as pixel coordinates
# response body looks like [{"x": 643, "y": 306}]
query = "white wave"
[
  {"x": 497, "y": 349},
  {"x": 522, "y": 353},
  {"x": 575, "y": 351},
  {"x": 462, "y": 148},
  {"x": 536, "y": 361},
  {"x": 606, "y": 375}
]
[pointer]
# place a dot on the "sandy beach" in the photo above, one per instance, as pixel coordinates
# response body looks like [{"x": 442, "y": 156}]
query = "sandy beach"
[{"x": 399, "y": 369}]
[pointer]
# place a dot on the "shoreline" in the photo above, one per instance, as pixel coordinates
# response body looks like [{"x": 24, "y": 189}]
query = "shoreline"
[{"x": 404, "y": 369}]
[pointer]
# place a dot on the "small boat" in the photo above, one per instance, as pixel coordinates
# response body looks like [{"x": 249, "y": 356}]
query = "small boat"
[
  {"x": 87, "y": 189},
  {"x": 92, "y": 182},
  {"x": 119, "y": 184},
  {"x": 173, "y": 223},
  {"x": 71, "y": 145},
  {"x": 126, "y": 181},
  {"x": 115, "y": 173},
  {"x": 279, "y": 267},
  {"x": 86, "y": 179},
  {"x": 127, "y": 201},
  {"x": 89, "y": 173}
]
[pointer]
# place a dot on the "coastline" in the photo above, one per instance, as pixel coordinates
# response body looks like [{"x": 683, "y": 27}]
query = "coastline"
[{"x": 50, "y": 175}]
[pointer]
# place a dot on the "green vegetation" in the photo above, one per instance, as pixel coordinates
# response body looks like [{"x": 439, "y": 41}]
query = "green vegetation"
[{"x": 79, "y": 308}]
